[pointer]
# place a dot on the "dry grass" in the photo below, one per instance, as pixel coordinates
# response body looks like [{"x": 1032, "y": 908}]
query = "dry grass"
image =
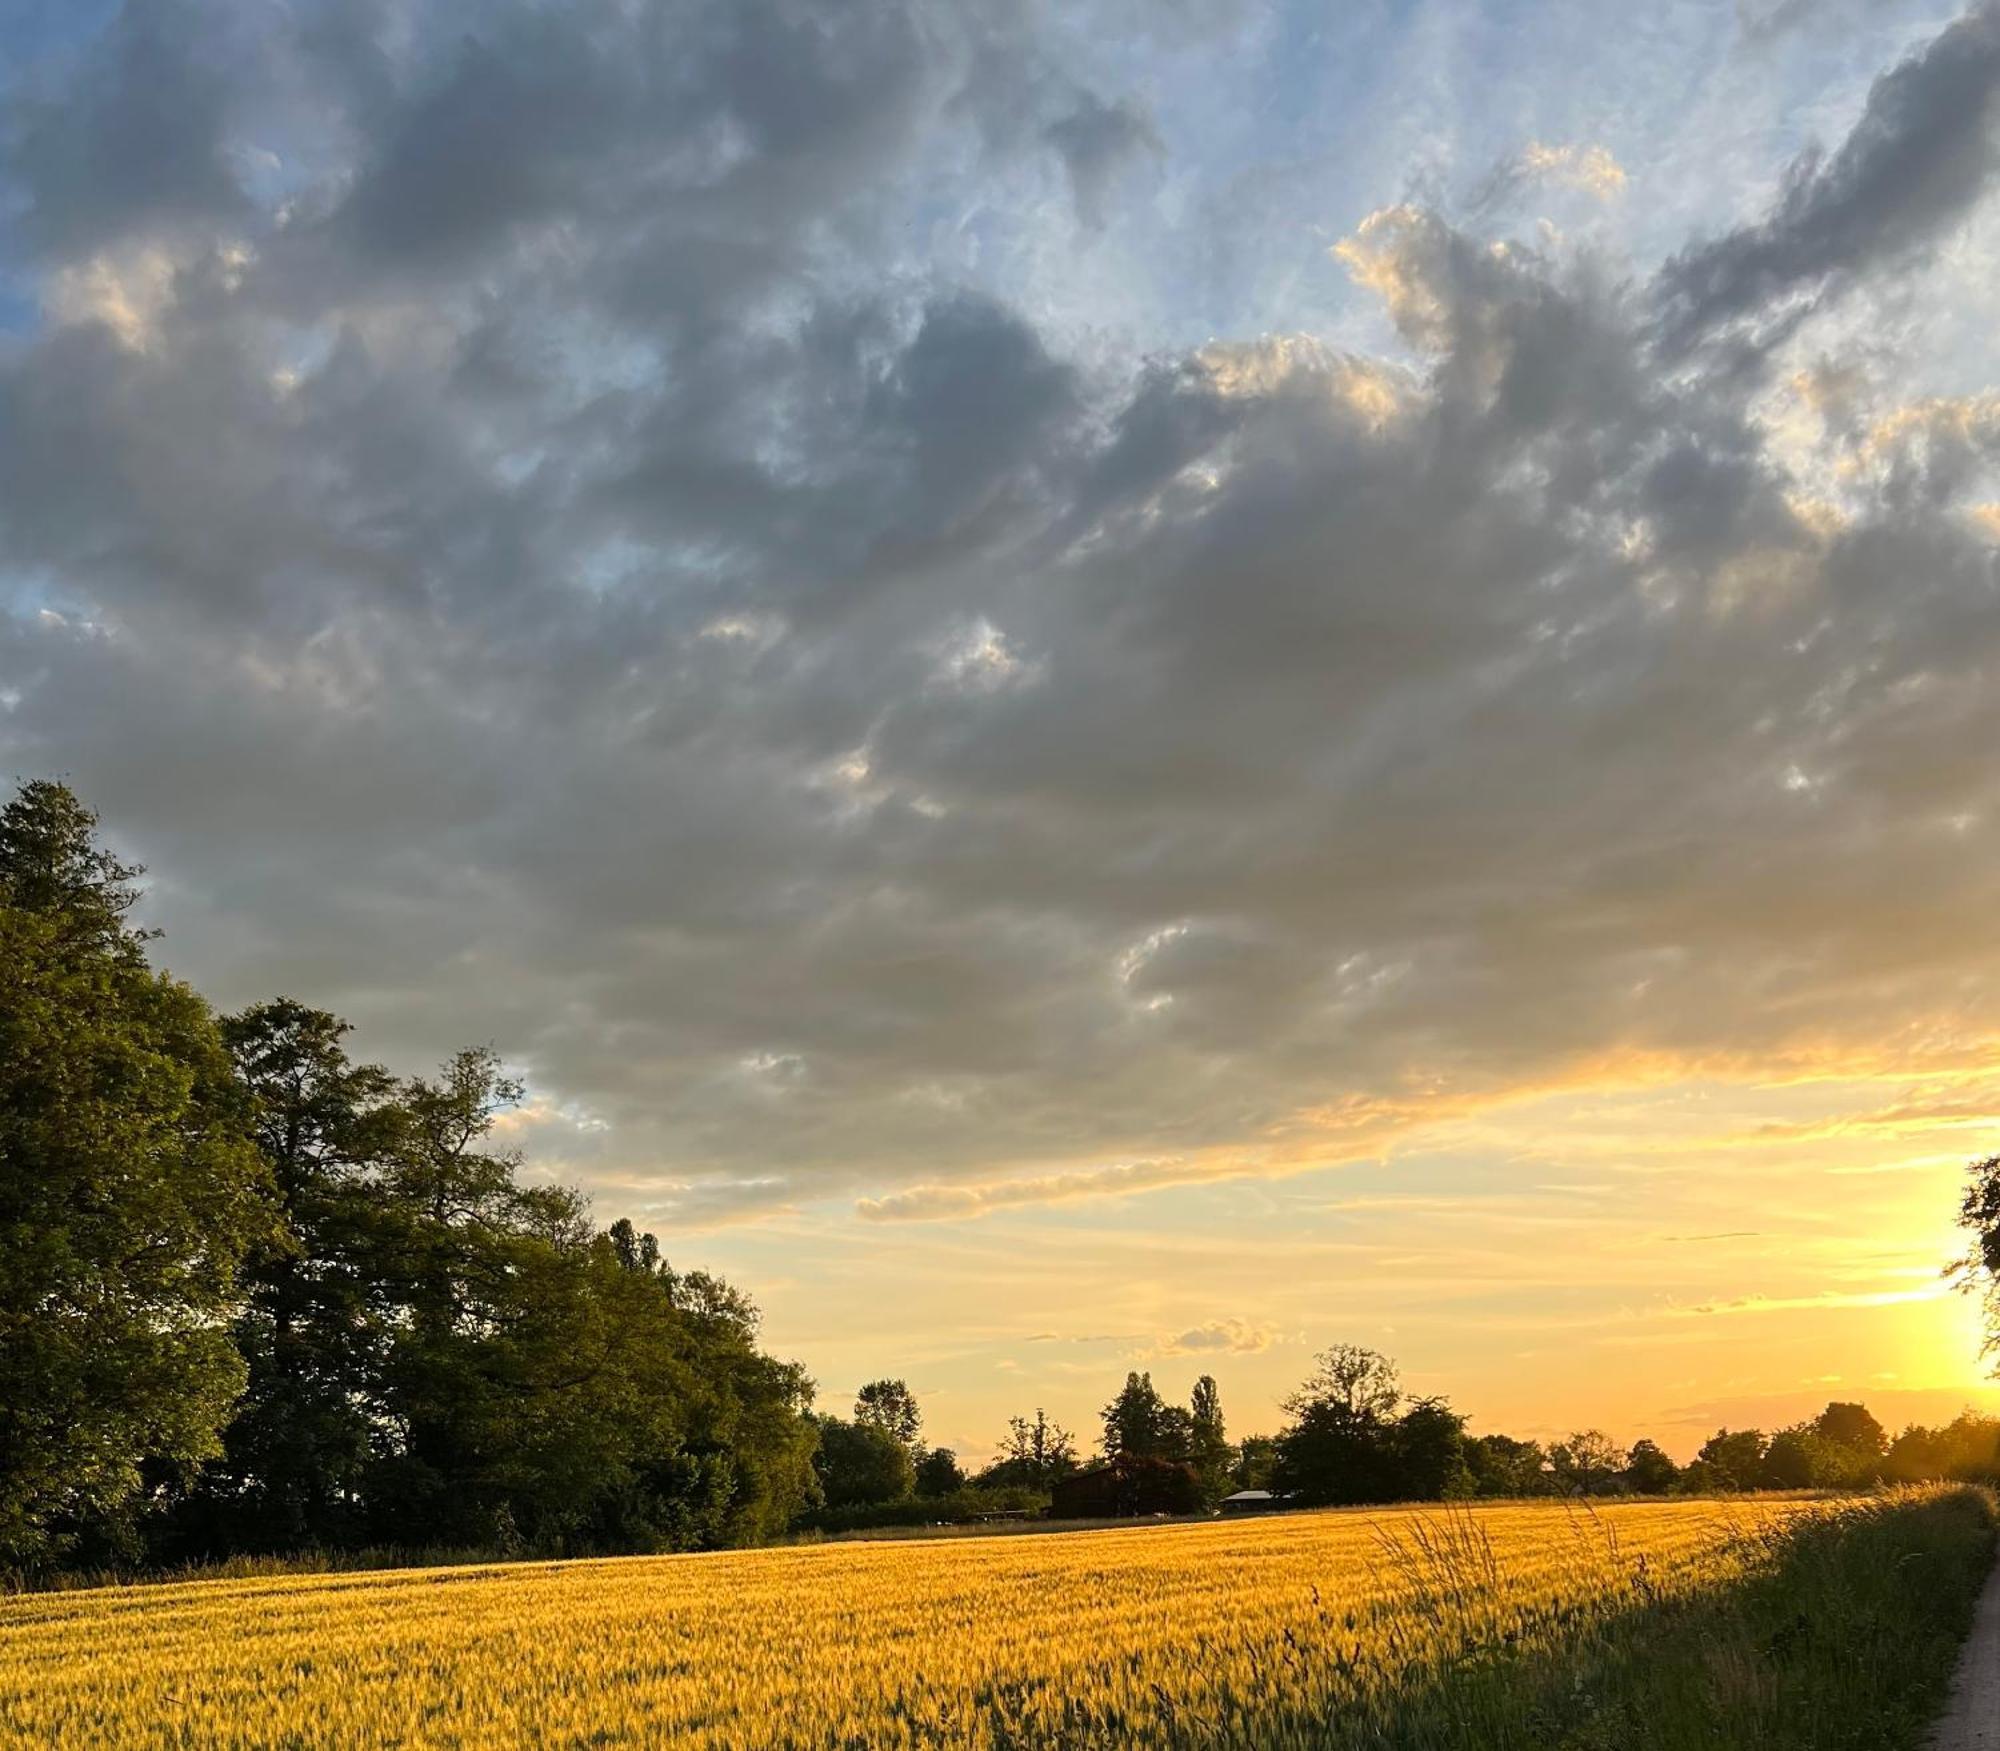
[{"x": 1378, "y": 1628}]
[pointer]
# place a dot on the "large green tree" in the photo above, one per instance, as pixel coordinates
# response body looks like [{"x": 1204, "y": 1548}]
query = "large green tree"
[
  {"x": 439, "y": 1354},
  {"x": 862, "y": 1464},
  {"x": 129, "y": 1193},
  {"x": 316, "y": 1328}
]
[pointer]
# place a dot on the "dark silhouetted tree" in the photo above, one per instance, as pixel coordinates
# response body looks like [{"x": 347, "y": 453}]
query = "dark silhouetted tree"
[
  {"x": 1648, "y": 1470},
  {"x": 1968, "y": 1448},
  {"x": 1735, "y": 1458},
  {"x": 1589, "y": 1463},
  {"x": 1035, "y": 1453},
  {"x": 1502, "y": 1466},
  {"x": 1790, "y": 1459},
  {"x": 1428, "y": 1452},
  {"x": 1339, "y": 1446},
  {"x": 1256, "y": 1455},
  {"x": 315, "y": 1329},
  {"x": 1139, "y": 1422},
  {"x": 1851, "y": 1426},
  {"x": 1208, "y": 1450},
  {"x": 938, "y": 1473}
]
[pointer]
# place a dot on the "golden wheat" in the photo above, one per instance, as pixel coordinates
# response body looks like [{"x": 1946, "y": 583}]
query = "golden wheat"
[{"x": 1152, "y": 1635}]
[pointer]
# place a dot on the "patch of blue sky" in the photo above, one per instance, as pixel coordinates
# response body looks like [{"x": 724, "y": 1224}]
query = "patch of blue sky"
[
  {"x": 36, "y": 32},
  {"x": 37, "y": 597},
  {"x": 20, "y": 306}
]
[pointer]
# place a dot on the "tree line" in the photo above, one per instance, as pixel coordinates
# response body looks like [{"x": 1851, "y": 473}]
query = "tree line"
[
  {"x": 257, "y": 1296},
  {"x": 1352, "y": 1437}
]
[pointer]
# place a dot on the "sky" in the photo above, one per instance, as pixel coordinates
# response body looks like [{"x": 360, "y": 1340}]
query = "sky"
[{"x": 1120, "y": 684}]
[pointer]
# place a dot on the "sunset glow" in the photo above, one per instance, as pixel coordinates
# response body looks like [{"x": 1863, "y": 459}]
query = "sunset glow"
[{"x": 1080, "y": 687}]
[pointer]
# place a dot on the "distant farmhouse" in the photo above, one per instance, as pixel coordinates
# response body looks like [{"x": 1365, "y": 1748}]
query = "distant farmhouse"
[{"x": 1254, "y": 1502}]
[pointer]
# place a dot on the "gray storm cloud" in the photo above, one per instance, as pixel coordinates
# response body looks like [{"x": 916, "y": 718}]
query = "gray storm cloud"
[
  {"x": 489, "y": 534},
  {"x": 1914, "y": 166}
]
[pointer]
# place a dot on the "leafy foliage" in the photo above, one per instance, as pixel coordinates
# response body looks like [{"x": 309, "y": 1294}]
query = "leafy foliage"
[
  {"x": 939, "y": 1474},
  {"x": 890, "y": 1405},
  {"x": 861, "y": 1464},
  {"x": 130, "y": 1191},
  {"x": 257, "y": 1297}
]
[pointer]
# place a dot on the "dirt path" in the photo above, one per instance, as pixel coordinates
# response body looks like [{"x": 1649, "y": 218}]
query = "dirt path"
[{"x": 1972, "y": 1718}]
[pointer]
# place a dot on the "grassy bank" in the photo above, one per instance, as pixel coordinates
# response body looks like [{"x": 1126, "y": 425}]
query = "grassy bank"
[{"x": 1835, "y": 1632}]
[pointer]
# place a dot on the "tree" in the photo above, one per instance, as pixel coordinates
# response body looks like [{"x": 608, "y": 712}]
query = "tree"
[
  {"x": 1353, "y": 1383},
  {"x": 1791, "y": 1459},
  {"x": 1648, "y": 1470},
  {"x": 1209, "y": 1451},
  {"x": 1735, "y": 1458},
  {"x": 1802, "y": 1457},
  {"x": 1587, "y": 1464},
  {"x": 1034, "y": 1454},
  {"x": 861, "y": 1464},
  {"x": 1502, "y": 1466},
  {"x": 483, "y": 1275},
  {"x": 1256, "y": 1456},
  {"x": 1967, "y": 1447},
  {"x": 129, "y": 1193},
  {"x": 1429, "y": 1452},
  {"x": 441, "y": 1354},
  {"x": 1340, "y": 1445},
  {"x": 1851, "y": 1426},
  {"x": 1977, "y": 1269},
  {"x": 938, "y": 1473},
  {"x": 636, "y": 1252},
  {"x": 889, "y": 1404},
  {"x": 313, "y": 1330},
  {"x": 1139, "y": 1422}
]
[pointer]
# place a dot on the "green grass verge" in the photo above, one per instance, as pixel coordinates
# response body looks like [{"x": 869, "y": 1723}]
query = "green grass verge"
[{"x": 1844, "y": 1636}]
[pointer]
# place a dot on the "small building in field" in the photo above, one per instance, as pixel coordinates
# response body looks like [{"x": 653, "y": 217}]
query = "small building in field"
[
  {"x": 1254, "y": 1502},
  {"x": 1124, "y": 1488}
]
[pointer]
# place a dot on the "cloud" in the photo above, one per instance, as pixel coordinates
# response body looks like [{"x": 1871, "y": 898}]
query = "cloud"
[
  {"x": 1098, "y": 142},
  {"x": 1749, "y": 1304},
  {"x": 1909, "y": 172},
  {"x": 1219, "y": 1336},
  {"x": 615, "y": 532},
  {"x": 940, "y": 1203},
  {"x": 1587, "y": 168}
]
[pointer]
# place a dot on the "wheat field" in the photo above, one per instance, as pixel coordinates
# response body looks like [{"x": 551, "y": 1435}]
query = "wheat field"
[{"x": 1223, "y": 1633}]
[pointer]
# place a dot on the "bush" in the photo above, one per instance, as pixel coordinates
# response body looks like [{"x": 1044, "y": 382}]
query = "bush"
[{"x": 959, "y": 1508}]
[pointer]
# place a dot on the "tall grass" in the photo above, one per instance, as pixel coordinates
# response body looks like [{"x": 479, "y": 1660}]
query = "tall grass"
[{"x": 1832, "y": 1631}]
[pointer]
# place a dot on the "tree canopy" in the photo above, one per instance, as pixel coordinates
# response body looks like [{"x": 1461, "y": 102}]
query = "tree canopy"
[{"x": 130, "y": 1191}]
